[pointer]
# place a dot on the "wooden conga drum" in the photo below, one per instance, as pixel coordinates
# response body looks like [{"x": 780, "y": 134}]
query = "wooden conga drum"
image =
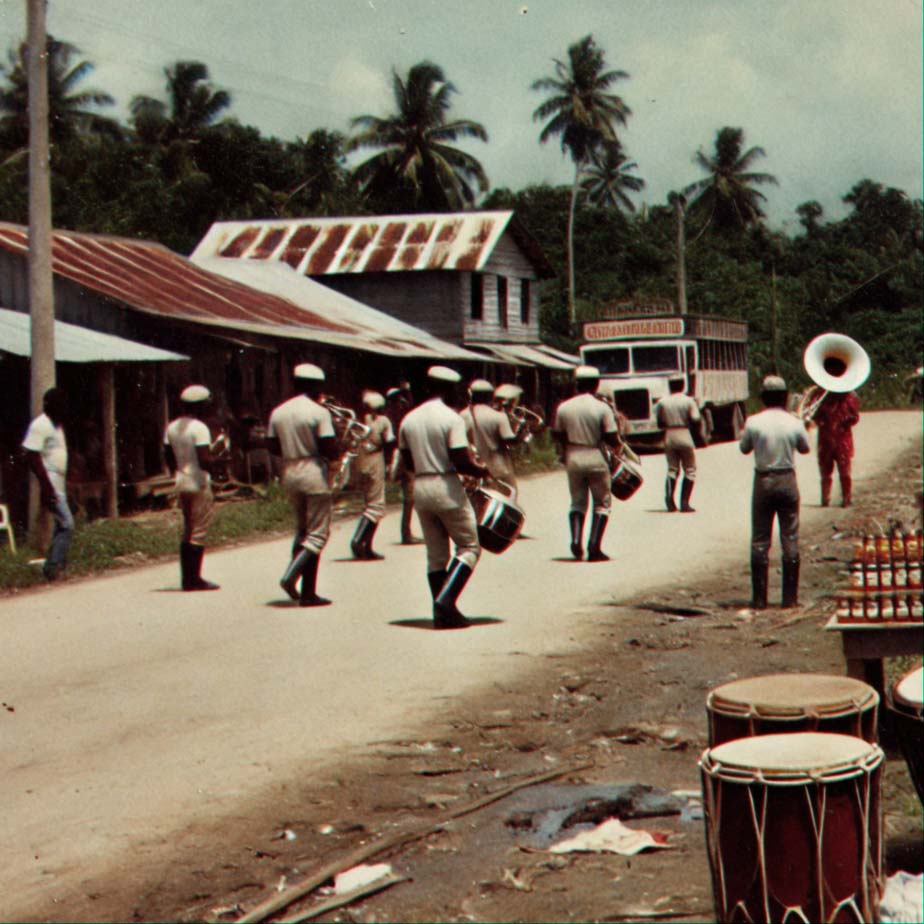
[
  {"x": 781, "y": 703},
  {"x": 794, "y": 828},
  {"x": 906, "y": 705}
]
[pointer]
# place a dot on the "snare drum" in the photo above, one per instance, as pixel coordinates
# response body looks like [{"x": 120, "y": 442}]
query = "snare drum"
[
  {"x": 794, "y": 828},
  {"x": 907, "y": 710},
  {"x": 500, "y": 520},
  {"x": 792, "y": 703},
  {"x": 625, "y": 481}
]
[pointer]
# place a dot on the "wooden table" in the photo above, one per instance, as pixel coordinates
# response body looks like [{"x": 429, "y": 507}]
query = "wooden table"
[{"x": 866, "y": 644}]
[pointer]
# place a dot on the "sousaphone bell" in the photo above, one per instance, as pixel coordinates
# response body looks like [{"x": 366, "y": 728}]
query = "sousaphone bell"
[{"x": 835, "y": 363}]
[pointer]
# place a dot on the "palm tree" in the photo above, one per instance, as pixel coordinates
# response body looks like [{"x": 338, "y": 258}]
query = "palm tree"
[
  {"x": 71, "y": 111},
  {"x": 608, "y": 178},
  {"x": 583, "y": 114},
  {"x": 416, "y": 155},
  {"x": 727, "y": 195}
]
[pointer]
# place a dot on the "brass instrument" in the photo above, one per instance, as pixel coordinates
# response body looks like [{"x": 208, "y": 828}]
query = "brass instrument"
[
  {"x": 823, "y": 349},
  {"x": 525, "y": 422},
  {"x": 350, "y": 432}
]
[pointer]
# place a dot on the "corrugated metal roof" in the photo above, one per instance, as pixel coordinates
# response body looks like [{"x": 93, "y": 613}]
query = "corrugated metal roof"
[
  {"x": 372, "y": 243},
  {"x": 150, "y": 278},
  {"x": 527, "y": 354},
  {"x": 74, "y": 344}
]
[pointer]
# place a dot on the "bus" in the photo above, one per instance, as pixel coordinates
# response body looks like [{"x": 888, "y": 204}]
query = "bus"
[{"x": 637, "y": 355}]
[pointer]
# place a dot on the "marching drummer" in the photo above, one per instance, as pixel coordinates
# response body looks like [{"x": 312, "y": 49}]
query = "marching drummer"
[
  {"x": 434, "y": 446},
  {"x": 398, "y": 401},
  {"x": 370, "y": 468},
  {"x": 302, "y": 432},
  {"x": 675, "y": 414},
  {"x": 582, "y": 425},
  {"x": 489, "y": 431}
]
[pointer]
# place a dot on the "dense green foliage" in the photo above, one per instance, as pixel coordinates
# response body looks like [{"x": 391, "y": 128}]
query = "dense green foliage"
[{"x": 184, "y": 162}]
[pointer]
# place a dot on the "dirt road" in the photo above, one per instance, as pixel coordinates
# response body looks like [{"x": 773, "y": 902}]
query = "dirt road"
[{"x": 140, "y": 710}]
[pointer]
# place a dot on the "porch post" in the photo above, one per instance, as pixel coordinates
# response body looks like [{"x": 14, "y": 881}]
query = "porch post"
[{"x": 110, "y": 463}]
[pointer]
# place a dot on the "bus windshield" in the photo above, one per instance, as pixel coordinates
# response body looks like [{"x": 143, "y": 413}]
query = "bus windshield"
[
  {"x": 614, "y": 361},
  {"x": 655, "y": 359}
]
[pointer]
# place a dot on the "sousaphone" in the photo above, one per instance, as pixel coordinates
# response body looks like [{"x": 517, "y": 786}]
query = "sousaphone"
[{"x": 835, "y": 363}]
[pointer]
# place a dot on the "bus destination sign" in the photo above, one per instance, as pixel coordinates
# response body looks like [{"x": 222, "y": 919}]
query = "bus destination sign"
[
  {"x": 636, "y": 327},
  {"x": 633, "y": 307}
]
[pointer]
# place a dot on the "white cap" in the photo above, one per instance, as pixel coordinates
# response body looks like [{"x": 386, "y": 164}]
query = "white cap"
[
  {"x": 309, "y": 372},
  {"x": 193, "y": 394},
  {"x": 773, "y": 383},
  {"x": 586, "y": 372},
  {"x": 481, "y": 386},
  {"x": 373, "y": 399},
  {"x": 507, "y": 391},
  {"x": 443, "y": 374}
]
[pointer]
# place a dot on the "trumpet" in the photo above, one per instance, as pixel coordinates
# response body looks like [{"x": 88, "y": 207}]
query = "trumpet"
[
  {"x": 351, "y": 433},
  {"x": 525, "y": 422},
  {"x": 835, "y": 363}
]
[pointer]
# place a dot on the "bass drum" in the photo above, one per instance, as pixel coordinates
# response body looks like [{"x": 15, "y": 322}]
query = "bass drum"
[
  {"x": 626, "y": 480},
  {"x": 500, "y": 520}
]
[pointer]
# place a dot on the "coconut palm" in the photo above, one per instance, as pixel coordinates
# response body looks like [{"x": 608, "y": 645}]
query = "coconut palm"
[
  {"x": 727, "y": 195},
  {"x": 71, "y": 110},
  {"x": 583, "y": 114},
  {"x": 417, "y": 160},
  {"x": 607, "y": 179}
]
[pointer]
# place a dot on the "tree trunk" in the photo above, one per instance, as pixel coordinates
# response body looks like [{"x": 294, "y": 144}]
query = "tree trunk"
[
  {"x": 572, "y": 307},
  {"x": 41, "y": 291},
  {"x": 681, "y": 257}
]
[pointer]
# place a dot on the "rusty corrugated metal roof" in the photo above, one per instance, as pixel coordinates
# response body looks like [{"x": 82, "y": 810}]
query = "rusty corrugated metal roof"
[
  {"x": 372, "y": 244},
  {"x": 152, "y": 279}
]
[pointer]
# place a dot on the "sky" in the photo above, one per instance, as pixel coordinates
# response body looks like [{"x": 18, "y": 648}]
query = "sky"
[{"x": 830, "y": 89}]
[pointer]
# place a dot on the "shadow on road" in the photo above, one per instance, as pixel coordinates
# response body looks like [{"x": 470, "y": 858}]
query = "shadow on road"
[{"x": 428, "y": 623}]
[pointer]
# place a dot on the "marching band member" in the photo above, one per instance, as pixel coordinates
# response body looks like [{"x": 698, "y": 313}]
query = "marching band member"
[
  {"x": 434, "y": 447},
  {"x": 506, "y": 396},
  {"x": 773, "y": 435},
  {"x": 582, "y": 424},
  {"x": 370, "y": 467},
  {"x": 835, "y": 418},
  {"x": 302, "y": 433},
  {"x": 187, "y": 448},
  {"x": 675, "y": 414},
  {"x": 398, "y": 402},
  {"x": 489, "y": 431}
]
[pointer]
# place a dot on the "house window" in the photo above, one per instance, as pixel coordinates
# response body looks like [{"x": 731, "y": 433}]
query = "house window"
[
  {"x": 502, "y": 301},
  {"x": 524, "y": 301},
  {"x": 477, "y": 297}
]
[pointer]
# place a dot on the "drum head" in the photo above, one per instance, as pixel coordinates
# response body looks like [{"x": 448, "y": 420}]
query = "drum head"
[
  {"x": 909, "y": 691},
  {"x": 792, "y": 695},
  {"x": 808, "y": 754}
]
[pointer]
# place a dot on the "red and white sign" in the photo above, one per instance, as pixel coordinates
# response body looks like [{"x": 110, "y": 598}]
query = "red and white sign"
[{"x": 637, "y": 327}]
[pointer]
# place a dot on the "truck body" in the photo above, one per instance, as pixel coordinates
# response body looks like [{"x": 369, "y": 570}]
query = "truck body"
[{"x": 637, "y": 356}]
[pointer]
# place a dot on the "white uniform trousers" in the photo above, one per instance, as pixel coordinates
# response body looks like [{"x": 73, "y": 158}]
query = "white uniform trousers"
[
  {"x": 305, "y": 483},
  {"x": 370, "y": 479},
  {"x": 588, "y": 472},
  {"x": 445, "y": 513}
]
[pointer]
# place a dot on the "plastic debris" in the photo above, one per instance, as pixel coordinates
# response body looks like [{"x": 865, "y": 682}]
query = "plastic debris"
[
  {"x": 611, "y": 837},
  {"x": 903, "y": 899},
  {"x": 286, "y": 834},
  {"x": 360, "y": 876}
]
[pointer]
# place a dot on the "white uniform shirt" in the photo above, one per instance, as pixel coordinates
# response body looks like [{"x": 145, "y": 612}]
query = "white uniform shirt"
[
  {"x": 429, "y": 432},
  {"x": 299, "y": 424},
  {"x": 677, "y": 410},
  {"x": 773, "y": 435},
  {"x": 184, "y": 435},
  {"x": 584, "y": 420},
  {"x": 493, "y": 428},
  {"x": 48, "y": 440},
  {"x": 380, "y": 433}
]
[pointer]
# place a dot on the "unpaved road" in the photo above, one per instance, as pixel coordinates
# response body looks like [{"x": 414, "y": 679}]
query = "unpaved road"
[{"x": 139, "y": 710}]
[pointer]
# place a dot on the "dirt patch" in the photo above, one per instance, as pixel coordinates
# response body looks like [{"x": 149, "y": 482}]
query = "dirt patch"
[{"x": 630, "y": 705}]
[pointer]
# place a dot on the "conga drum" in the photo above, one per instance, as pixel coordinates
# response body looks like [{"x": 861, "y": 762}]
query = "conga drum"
[
  {"x": 625, "y": 480},
  {"x": 781, "y": 703},
  {"x": 499, "y": 519},
  {"x": 907, "y": 711},
  {"x": 794, "y": 828}
]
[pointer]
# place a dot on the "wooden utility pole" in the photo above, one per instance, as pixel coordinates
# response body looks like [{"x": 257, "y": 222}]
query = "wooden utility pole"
[
  {"x": 679, "y": 205},
  {"x": 41, "y": 289}
]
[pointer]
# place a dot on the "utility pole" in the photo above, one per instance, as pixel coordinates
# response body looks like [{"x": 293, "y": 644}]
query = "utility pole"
[
  {"x": 679, "y": 201},
  {"x": 41, "y": 287}
]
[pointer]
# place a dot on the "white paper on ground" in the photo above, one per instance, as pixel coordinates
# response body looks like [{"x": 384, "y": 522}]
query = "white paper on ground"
[
  {"x": 903, "y": 899},
  {"x": 612, "y": 836},
  {"x": 360, "y": 876}
]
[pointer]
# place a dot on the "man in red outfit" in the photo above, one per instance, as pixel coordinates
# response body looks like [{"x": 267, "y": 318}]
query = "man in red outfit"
[{"x": 835, "y": 418}]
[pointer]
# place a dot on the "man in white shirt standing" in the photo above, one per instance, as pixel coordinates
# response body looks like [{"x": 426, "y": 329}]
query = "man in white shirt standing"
[
  {"x": 773, "y": 436},
  {"x": 188, "y": 450},
  {"x": 46, "y": 454},
  {"x": 301, "y": 431},
  {"x": 582, "y": 425},
  {"x": 675, "y": 414},
  {"x": 489, "y": 431},
  {"x": 375, "y": 453},
  {"x": 434, "y": 446}
]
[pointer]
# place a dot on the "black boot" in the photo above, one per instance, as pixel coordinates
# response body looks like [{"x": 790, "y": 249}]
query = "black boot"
[
  {"x": 195, "y": 560},
  {"x": 289, "y": 580},
  {"x": 368, "y": 554},
  {"x": 446, "y": 614},
  {"x": 597, "y": 529},
  {"x": 790, "y": 582},
  {"x": 358, "y": 545},
  {"x": 436, "y": 579},
  {"x": 308, "y": 597},
  {"x": 186, "y": 567},
  {"x": 576, "y": 521},
  {"x": 686, "y": 489},
  {"x": 669, "y": 485},
  {"x": 760, "y": 576},
  {"x": 297, "y": 543}
]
